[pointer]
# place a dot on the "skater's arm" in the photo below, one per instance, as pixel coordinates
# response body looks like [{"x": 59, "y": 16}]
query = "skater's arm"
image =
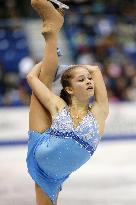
[
  {"x": 101, "y": 99},
  {"x": 47, "y": 98}
]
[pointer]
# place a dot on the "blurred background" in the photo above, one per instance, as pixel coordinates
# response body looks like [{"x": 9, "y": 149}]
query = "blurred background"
[{"x": 95, "y": 31}]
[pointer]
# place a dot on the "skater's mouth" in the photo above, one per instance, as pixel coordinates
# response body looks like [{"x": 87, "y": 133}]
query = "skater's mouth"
[{"x": 90, "y": 88}]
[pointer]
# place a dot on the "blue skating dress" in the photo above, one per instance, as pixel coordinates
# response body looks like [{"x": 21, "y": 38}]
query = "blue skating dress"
[{"x": 54, "y": 154}]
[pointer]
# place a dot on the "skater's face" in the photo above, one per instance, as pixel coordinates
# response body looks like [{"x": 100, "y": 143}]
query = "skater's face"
[{"x": 81, "y": 85}]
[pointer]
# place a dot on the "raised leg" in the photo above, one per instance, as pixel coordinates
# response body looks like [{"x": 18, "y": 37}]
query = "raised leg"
[
  {"x": 52, "y": 20},
  {"x": 50, "y": 59},
  {"x": 52, "y": 23},
  {"x": 39, "y": 118}
]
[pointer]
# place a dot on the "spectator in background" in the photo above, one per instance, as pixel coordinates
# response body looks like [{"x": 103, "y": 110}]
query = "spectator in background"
[
  {"x": 97, "y": 31},
  {"x": 109, "y": 40},
  {"x": 25, "y": 66}
]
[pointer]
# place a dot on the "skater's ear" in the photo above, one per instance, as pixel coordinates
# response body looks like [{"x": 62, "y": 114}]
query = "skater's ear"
[{"x": 69, "y": 90}]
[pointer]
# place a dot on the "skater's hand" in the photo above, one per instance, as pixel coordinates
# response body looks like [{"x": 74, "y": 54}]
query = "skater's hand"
[{"x": 92, "y": 68}]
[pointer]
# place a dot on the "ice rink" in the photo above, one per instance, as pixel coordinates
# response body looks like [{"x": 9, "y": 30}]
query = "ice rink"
[{"x": 109, "y": 178}]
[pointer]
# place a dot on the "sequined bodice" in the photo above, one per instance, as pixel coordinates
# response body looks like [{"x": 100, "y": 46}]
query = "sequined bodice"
[{"x": 86, "y": 133}]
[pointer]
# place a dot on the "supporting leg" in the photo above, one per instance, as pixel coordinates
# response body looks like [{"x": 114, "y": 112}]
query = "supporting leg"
[{"x": 41, "y": 197}]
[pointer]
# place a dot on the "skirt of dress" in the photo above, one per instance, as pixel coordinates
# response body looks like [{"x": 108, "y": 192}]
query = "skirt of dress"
[{"x": 50, "y": 160}]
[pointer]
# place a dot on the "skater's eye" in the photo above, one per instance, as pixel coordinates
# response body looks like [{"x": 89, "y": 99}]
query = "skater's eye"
[{"x": 81, "y": 79}]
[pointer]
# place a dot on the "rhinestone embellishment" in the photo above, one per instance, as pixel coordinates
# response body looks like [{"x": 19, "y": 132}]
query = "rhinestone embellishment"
[{"x": 86, "y": 134}]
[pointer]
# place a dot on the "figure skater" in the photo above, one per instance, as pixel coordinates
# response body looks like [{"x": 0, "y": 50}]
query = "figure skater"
[{"x": 64, "y": 130}]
